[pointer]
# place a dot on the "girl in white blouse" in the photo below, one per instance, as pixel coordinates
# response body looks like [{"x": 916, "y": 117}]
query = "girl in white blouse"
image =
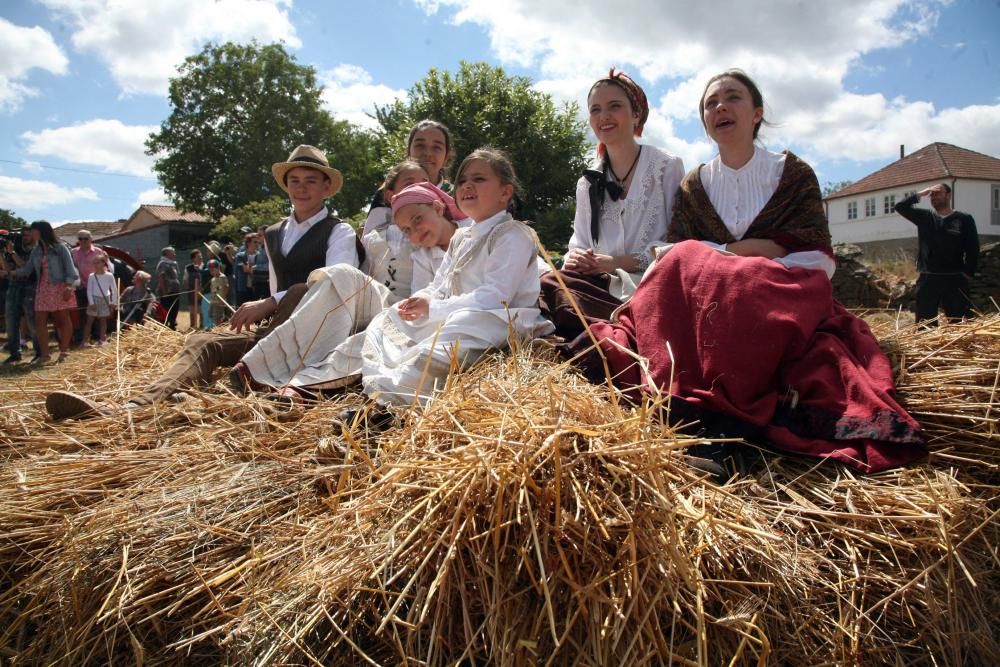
[
  {"x": 623, "y": 208},
  {"x": 486, "y": 287}
]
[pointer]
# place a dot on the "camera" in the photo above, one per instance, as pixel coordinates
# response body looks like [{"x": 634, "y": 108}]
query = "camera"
[{"x": 14, "y": 240}]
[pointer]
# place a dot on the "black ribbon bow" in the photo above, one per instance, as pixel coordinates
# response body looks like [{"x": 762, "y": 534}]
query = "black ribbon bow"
[{"x": 599, "y": 184}]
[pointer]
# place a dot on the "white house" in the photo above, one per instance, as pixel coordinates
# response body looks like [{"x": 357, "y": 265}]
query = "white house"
[{"x": 862, "y": 213}]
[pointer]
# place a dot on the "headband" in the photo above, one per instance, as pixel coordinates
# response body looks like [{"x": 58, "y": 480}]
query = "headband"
[
  {"x": 636, "y": 97},
  {"x": 427, "y": 193}
]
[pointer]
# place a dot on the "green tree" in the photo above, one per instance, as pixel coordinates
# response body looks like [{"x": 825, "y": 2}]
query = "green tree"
[
  {"x": 236, "y": 110},
  {"x": 482, "y": 105},
  {"x": 252, "y": 215},
  {"x": 834, "y": 186},
  {"x": 11, "y": 220}
]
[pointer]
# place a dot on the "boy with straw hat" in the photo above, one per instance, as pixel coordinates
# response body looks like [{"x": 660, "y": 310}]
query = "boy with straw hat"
[{"x": 310, "y": 238}]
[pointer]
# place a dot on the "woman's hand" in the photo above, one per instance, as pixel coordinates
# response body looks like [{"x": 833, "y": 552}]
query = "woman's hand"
[
  {"x": 756, "y": 248},
  {"x": 67, "y": 291},
  {"x": 414, "y": 308},
  {"x": 588, "y": 263}
]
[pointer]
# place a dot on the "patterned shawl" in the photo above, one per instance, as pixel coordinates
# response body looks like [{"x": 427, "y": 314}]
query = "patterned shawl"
[{"x": 793, "y": 218}]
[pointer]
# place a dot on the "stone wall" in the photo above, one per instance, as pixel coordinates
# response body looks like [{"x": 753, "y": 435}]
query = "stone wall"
[{"x": 856, "y": 285}]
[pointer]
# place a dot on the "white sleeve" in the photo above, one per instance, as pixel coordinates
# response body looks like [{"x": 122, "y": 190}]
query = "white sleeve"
[
  {"x": 114, "y": 291},
  {"x": 816, "y": 260},
  {"x": 378, "y": 218},
  {"x": 673, "y": 173},
  {"x": 580, "y": 240},
  {"x": 272, "y": 278},
  {"x": 500, "y": 282},
  {"x": 90, "y": 291},
  {"x": 342, "y": 246}
]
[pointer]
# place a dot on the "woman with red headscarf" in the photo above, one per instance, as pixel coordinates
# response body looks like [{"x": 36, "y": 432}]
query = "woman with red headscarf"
[
  {"x": 737, "y": 320},
  {"x": 623, "y": 208}
]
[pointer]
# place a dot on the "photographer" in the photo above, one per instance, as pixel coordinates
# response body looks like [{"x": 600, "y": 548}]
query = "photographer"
[{"x": 20, "y": 303}]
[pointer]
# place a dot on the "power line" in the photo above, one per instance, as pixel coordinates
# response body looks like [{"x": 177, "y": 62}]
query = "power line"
[{"x": 21, "y": 163}]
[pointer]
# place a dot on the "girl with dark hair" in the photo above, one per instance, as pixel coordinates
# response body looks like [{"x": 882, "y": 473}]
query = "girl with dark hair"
[
  {"x": 623, "y": 207},
  {"x": 737, "y": 321},
  {"x": 429, "y": 145},
  {"x": 57, "y": 275}
]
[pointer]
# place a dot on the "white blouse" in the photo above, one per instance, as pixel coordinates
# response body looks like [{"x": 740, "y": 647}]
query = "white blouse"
[
  {"x": 495, "y": 279},
  {"x": 739, "y": 195},
  {"x": 637, "y": 223}
]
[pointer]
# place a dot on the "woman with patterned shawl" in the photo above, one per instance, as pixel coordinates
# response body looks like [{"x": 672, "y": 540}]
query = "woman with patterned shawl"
[
  {"x": 737, "y": 321},
  {"x": 623, "y": 205}
]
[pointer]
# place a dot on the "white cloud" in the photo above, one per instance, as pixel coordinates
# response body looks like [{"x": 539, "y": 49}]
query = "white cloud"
[
  {"x": 31, "y": 166},
  {"x": 21, "y": 50},
  {"x": 152, "y": 196},
  {"x": 349, "y": 94},
  {"x": 109, "y": 144},
  {"x": 800, "y": 53},
  {"x": 142, "y": 43},
  {"x": 22, "y": 194}
]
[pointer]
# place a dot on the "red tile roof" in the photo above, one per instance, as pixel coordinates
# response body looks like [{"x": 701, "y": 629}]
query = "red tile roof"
[
  {"x": 97, "y": 230},
  {"x": 171, "y": 214},
  {"x": 936, "y": 161}
]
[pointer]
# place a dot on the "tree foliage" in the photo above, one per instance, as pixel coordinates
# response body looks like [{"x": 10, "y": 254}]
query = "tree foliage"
[
  {"x": 834, "y": 186},
  {"x": 10, "y": 220},
  {"x": 236, "y": 110},
  {"x": 482, "y": 105},
  {"x": 252, "y": 215}
]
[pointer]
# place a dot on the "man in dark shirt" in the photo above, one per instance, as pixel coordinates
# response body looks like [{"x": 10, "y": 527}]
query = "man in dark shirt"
[{"x": 947, "y": 255}]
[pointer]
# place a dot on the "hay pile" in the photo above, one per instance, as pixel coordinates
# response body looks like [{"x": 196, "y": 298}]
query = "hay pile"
[{"x": 524, "y": 518}]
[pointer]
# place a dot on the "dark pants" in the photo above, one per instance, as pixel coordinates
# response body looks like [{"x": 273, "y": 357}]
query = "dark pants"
[
  {"x": 18, "y": 305},
  {"x": 171, "y": 303},
  {"x": 950, "y": 292},
  {"x": 591, "y": 294},
  {"x": 205, "y": 351}
]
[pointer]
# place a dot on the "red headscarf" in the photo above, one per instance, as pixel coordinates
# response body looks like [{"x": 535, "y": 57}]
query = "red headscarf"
[
  {"x": 636, "y": 97},
  {"x": 427, "y": 193}
]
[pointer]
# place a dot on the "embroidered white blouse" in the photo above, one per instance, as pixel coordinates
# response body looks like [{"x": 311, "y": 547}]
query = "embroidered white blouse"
[
  {"x": 637, "y": 223},
  {"x": 739, "y": 195}
]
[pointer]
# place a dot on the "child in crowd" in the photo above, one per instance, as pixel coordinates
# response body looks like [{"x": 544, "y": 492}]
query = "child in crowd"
[
  {"x": 487, "y": 285},
  {"x": 429, "y": 143},
  {"x": 102, "y": 299},
  {"x": 219, "y": 287},
  {"x": 136, "y": 299},
  {"x": 193, "y": 285}
]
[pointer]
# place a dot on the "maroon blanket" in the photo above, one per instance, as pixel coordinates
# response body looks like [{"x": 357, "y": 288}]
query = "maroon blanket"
[{"x": 768, "y": 346}]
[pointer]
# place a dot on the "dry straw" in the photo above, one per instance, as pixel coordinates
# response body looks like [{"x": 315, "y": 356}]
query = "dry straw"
[{"x": 523, "y": 518}]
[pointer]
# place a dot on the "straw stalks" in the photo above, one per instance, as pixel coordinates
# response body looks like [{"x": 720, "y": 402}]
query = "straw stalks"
[{"x": 523, "y": 518}]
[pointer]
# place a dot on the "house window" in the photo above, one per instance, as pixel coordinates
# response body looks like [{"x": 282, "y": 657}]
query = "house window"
[
  {"x": 870, "y": 207},
  {"x": 889, "y": 202},
  {"x": 852, "y": 210}
]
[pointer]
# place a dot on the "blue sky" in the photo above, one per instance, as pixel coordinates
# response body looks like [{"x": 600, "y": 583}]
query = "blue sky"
[{"x": 82, "y": 82}]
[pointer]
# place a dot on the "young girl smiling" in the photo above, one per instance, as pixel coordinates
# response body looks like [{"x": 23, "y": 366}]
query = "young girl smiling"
[
  {"x": 486, "y": 286},
  {"x": 623, "y": 207}
]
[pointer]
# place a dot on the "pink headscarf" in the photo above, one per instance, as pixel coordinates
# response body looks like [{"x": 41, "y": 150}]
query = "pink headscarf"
[{"x": 427, "y": 193}]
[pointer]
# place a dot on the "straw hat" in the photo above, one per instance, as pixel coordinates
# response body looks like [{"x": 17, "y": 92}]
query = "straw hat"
[
  {"x": 214, "y": 248},
  {"x": 311, "y": 158}
]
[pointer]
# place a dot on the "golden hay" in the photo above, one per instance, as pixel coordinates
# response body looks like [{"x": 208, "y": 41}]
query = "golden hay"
[{"x": 523, "y": 518}]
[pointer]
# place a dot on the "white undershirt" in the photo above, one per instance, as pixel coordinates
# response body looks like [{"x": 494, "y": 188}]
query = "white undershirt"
[{"x": 739, "y": 195}]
